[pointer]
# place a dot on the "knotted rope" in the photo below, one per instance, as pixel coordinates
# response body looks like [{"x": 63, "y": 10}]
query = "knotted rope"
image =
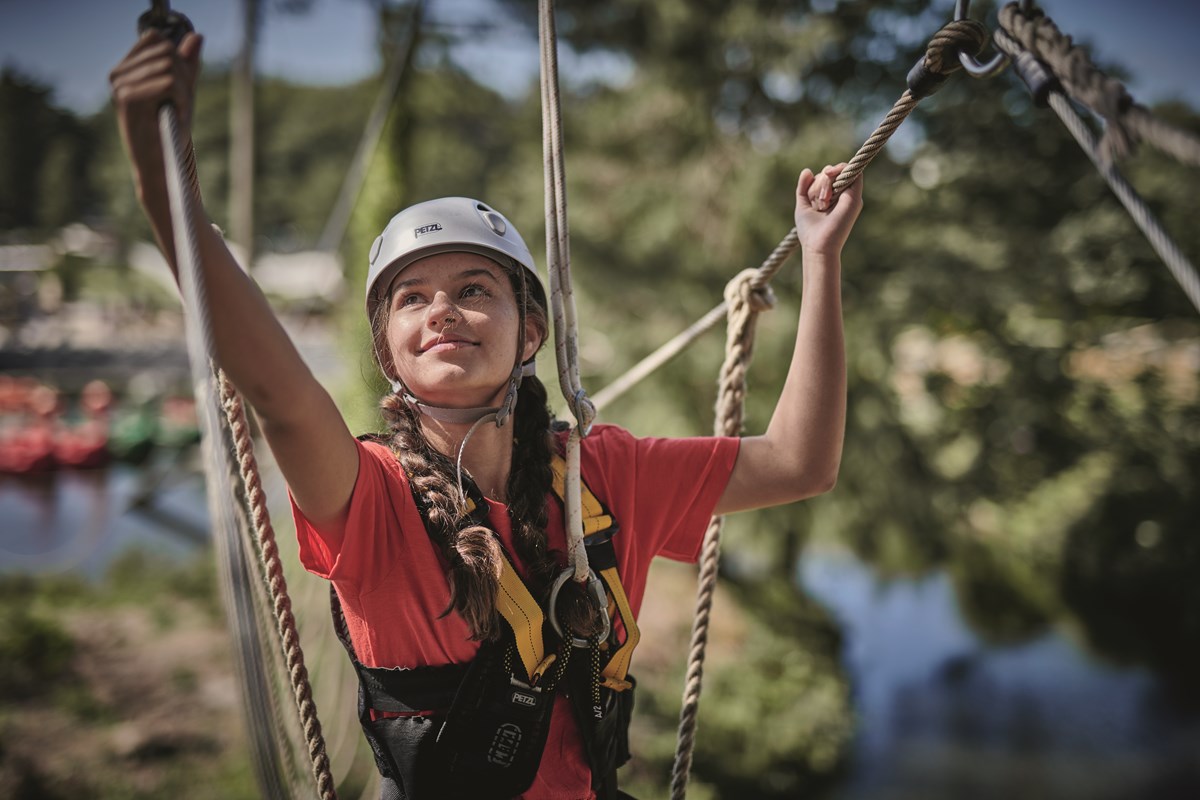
[
  {"x": 940, "y": 59},
  {"x": 746, "y": 296},
  {"x": 1126, "y": 122}
]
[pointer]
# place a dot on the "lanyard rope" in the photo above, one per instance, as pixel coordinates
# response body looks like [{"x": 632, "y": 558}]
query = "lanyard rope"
[{"x": 562, "y": 299}]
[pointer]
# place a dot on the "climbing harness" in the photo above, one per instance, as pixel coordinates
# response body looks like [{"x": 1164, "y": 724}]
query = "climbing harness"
[{"x": 479, "y": 729}]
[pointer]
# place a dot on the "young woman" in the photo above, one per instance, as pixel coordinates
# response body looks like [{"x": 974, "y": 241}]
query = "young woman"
[{"x": 421, "y": 530}]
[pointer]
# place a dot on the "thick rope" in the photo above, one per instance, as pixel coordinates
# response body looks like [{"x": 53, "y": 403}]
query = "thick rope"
[
  {"x": 281, "y": 604},
  {"x": 562, "y": 299},
  {"x": 1180, "y": 267},
  {"x": 1126, "y": 122},
  {"x": 940, "y": 58},
  {"x": 198, "y": 337},
  {"x": 229, "y": 526},
  {"x": 746, "y": 296}
]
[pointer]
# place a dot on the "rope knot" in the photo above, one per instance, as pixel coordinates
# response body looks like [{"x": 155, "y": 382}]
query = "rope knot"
[
  {"x": 749, "y": 290},
  {"x": 957, "y": 36}
]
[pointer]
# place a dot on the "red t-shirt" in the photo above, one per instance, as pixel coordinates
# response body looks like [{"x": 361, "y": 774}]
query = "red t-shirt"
[{"x": 393, "y": 588}]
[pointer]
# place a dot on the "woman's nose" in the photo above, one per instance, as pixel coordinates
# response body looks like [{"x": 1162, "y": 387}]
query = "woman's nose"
[{"x": 441, "y": 311}]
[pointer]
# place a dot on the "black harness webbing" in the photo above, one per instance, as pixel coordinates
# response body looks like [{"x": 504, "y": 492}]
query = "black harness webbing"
[{"x": 477, "y": 730}]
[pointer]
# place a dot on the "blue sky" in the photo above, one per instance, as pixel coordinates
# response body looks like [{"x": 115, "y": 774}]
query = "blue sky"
[{"x": 72, "y": 44}]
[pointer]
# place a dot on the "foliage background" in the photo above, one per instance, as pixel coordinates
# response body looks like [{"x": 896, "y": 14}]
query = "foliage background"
[{"x": 1023, "y": 371}]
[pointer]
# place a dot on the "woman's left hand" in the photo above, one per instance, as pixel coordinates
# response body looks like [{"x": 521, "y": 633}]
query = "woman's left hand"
[{"x": 822, "y": 221}]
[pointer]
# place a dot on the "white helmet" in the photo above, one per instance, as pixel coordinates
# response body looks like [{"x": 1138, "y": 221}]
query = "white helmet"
[
  {"x": 450, "y": 225},
  {"x": 445, "y": 225}
]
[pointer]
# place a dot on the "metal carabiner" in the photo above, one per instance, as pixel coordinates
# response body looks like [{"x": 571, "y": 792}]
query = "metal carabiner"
[
  {"x": 595, "y": 592},
  {"x": 971, "y": 64}
]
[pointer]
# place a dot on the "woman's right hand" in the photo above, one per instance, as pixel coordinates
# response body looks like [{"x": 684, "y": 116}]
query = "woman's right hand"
[{"x": 154, "y": 72}]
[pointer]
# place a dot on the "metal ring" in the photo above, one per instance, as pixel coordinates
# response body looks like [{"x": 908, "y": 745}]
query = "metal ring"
[
  {"x": 598, "y": 594},
  {"x": 973, "y": 66}
]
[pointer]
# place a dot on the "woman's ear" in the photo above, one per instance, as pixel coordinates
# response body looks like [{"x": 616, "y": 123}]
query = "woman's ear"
[{"x": 535, "y": 335}]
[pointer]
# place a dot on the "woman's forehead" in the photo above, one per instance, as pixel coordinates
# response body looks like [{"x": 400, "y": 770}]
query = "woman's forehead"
[{"x": 447, "y": 266}]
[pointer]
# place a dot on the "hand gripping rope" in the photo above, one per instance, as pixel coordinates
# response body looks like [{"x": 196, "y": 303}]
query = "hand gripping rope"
[{"x": 244, "y": 593}]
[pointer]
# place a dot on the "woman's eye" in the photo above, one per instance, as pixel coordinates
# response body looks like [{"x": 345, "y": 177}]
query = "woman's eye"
[
  {"x": 408, "y": 300},
  {"x": 474, "y": 290}
]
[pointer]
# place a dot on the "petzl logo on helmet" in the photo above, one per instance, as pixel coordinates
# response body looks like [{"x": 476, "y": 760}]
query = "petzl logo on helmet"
[{"x": 424, "y": 229}]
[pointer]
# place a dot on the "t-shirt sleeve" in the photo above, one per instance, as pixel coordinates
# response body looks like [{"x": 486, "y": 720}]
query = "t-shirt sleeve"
[
  {"x": 355, "y": 552},
  {"x": 664, "y": 490}
]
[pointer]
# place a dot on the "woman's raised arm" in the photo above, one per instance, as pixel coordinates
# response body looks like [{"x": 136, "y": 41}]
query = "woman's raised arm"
[
  {"x": 302, "y": 425},
  {"x": 801, "y": 451}
]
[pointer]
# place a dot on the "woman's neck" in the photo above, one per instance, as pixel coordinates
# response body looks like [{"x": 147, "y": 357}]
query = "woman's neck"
[{"x": 487, "y": 457}]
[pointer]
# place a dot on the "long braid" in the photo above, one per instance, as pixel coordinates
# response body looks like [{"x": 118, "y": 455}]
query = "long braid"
[
  {"x": 471, "y": 551},
  {"x": 529, "y": 483}
]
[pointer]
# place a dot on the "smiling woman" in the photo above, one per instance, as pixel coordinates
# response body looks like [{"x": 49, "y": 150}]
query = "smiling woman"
[{"x": 441, "y": 535}]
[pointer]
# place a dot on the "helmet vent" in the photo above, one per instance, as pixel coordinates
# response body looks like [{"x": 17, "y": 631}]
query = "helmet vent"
[{"x": 493, "y": 220}]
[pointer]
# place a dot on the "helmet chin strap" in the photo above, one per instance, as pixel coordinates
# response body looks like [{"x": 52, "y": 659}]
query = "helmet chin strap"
[
  {"x": 475, "y": 417},
  {"x": 468, "y": 416}
]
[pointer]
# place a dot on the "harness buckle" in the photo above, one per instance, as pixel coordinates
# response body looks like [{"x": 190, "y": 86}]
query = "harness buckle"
[{"x": 599, "y": 597}]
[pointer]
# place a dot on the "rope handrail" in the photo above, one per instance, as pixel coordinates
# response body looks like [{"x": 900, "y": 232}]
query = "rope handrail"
[
  {"x": 229, "y": 523},
  {"x": 746, "y": 296},
  {"x": 1177, "y": 262},
  {"x": 1126, "y": 122}
]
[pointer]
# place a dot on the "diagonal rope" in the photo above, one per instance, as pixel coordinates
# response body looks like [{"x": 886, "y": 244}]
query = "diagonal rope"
[
  {"x": 339, "y": 217},
  {"x": 1177, "y": 262},
  {"x": 940, "y": 59},
  {"x": 1126, "y": 122},
  {"x": 746, "y": 296}
]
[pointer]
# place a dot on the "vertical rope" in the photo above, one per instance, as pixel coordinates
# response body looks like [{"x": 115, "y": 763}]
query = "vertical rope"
[
  {"x": 232, "y": 568},
  {"x": 562, "y": 299}
]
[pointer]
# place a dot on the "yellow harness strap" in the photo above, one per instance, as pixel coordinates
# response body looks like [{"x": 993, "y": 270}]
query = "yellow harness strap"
[
  {"x": 525, "y": 616},
  {"x": 595, "y": 519}
]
